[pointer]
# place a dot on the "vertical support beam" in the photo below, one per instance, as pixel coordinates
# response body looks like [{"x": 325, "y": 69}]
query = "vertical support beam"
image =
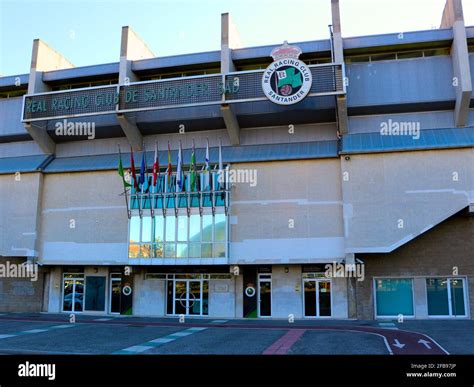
[
  {"x": 229, "y": 39},
  {"x": 132, "y": 48},
  {"x": 341, "y": 101},
  {"x": 43, "y": 58},
  {"x": 453, "y": 18},
  {"x": 351, "y": 289}
]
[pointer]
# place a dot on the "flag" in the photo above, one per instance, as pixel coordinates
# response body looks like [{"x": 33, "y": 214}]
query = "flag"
[
  {"x": 142, "y": 169},
  {"x": 179, "y": 173},
  {"x": 132, "y": 167},
  {"x": 156, "y": 166},
  {"x": 192, "y": 170},
  {"x": 170, "y": 167},
  {"x": 220, "y": 176},
  {"x": 206, "y": 173},
  {"x": 288, "y": 77},
  {"x": 126, "y": 184}
]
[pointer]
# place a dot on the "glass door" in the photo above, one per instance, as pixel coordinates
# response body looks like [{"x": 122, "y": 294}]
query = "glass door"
[
  {"x": 115, "y": 292},
  {"x": 73, "y": 292},
  {"x": 180, "y": 297},
  {"x": 189, "y": 296},
  {"x": 317, "y": 298},
  {"x": 446, "y": 297},
  {"x": 194, "y": 298},
  {"x": 264, "y": 295}
]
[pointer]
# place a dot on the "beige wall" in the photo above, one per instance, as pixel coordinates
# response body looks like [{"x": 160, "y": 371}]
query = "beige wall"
[
  {"x": 92, "y": 201},
  {"x": 415, "y": 187},
  {"x": 19, "y": 199},
  {"x": 305, "y": 194}
]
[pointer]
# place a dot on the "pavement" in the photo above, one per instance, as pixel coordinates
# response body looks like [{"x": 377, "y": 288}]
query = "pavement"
[{"x": 46, "y": 333}]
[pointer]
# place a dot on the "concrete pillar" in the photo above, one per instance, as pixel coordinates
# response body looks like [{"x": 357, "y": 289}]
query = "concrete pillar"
[
  {"x": 453, "y": 18},
  {"x": 229, "y": 39},
  {"x": 132, "y": 48},
  {"x": 351, "y": 289},
  {"x": 43, "y": 58},
  {"x": 341, "y": 101}
]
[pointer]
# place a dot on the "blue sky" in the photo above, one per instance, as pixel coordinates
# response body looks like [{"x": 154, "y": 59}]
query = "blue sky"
[{"x": 88, "y": 32}]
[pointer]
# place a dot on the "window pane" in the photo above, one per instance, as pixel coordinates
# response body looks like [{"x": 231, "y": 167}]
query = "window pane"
[
  {"x": 182, "y": 250},
  {"x": 437, "y": 291},
  {"x": 310, "y": 298},
  {"x": 220, "y": 225},
  {"x": 206, "y": 250},
  {"x": 146, "y": 229},
  {"x": 159, "y": 229},
  {"x": 183, "y": 228},
  {"x": 394, "y": 296},
  {"x": 158, "y": 252},
  {"x": 194, "y": 250},
  {"x": 95, "y": 294},
  {"x": 67, "y": 295},
  {"x": 205, "y": 298},
  {"x": 195, "y": 228},
  {"x": 134, "y": 250},
  {"x": 78, "y": 303},
  {"x": 170, "y": 228},
  {"x": 170, "y": 250},
  {"x": 134, "y": 229},
  {"x": 207, "y": 228},
  {"x": 146, "y": 250},
  {"x": 457, "y": 297},
  {"x": 219, "y": 250}
]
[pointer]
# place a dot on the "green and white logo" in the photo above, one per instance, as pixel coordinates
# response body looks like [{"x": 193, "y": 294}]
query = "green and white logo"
[{"x": 287, "y": 80}]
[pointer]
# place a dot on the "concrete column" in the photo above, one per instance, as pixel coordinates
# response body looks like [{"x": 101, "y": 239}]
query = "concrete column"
[
  {"x": 341, "y": 101},
  {"x": 132, "y": 48},
  {"x": 43, "y": 58},
  {"x": 351, "y": 289},
  {"x": 229, "y": 39},
  {"x": 453, "y": 18}
]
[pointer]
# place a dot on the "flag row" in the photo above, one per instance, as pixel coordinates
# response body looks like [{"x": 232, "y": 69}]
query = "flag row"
[{"x": 188, "y": 179}]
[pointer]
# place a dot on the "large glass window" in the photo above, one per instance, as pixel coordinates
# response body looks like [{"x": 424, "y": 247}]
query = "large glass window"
[
  {"x": 446, "y": 297},
  {"x": 193, "y": 236},
  {"x": 394, "y": 296},
  {"x": 95, "y": 293}
]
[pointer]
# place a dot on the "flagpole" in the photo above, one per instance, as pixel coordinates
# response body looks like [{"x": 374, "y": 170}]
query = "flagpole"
[
  {"x": 143, "y": 182},
  {"x": 124, "y": 188},
  {"x": 148, "y": 182}
]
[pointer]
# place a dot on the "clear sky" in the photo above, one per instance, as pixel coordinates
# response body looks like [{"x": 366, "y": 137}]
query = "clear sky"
[{"x": 88, "y": 32}]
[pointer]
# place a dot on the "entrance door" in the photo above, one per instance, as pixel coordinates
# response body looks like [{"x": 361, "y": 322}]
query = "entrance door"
[
  {"x": 190, "y": 297},
  {"x": 115, "y": 287},
  {"x": 73, "y": 292},
  {"x": 317, "y": 298},
  {"x": 264, "y": 295}
]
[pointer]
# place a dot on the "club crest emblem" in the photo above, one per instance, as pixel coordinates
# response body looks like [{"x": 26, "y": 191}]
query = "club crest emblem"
[{"x": 287, "y": 80}]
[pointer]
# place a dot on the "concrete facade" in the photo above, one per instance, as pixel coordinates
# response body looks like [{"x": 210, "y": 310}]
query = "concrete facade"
[{"x": 329, "y": 187}]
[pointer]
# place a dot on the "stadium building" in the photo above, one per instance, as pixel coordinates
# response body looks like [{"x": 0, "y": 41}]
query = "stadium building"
[{"x": 328, "y": 179}]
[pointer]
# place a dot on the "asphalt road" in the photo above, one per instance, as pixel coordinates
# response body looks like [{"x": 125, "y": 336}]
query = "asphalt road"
[{"x": 54, "y": 334}]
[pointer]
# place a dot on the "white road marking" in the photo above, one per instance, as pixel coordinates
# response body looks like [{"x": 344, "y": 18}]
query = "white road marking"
[
  {"x": 36, "y": 331},
  {"x": 398, "y": 344},
  {"x": 159, "y": 341},
  {"x": 425, "y": 343}
]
